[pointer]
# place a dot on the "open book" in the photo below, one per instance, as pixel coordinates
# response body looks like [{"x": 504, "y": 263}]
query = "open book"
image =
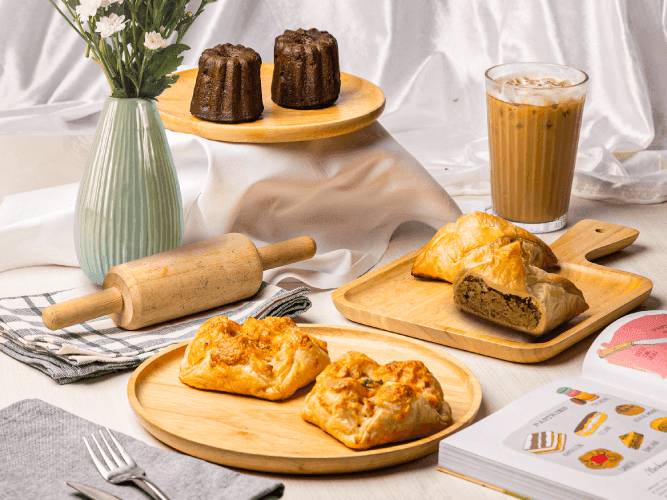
[{"x": 602, "y": 435}]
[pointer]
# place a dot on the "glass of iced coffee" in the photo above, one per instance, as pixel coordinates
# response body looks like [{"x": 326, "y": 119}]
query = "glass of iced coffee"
[{"x": 534, "y": 116}]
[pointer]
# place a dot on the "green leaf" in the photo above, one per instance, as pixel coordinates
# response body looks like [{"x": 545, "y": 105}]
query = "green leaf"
[
  {"x": 115, "y": 82},
  {"x": 120, "y": 93},
  {"x": 131, "y": 88},
  {"x": 133, "y": 79},
  {"x": 162, "y": 65},
  {"x": 174, "y": 49}
]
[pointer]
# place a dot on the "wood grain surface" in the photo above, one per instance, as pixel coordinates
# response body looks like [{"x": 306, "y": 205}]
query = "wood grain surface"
[
  {"x": 251, "y": 433},
  {"x": 392, "y": 299},
  {"x": 359, "y": 104}
]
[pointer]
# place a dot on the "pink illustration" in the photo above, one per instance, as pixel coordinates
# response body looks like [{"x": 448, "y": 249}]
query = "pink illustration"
[{"x": 640, "y": 344}]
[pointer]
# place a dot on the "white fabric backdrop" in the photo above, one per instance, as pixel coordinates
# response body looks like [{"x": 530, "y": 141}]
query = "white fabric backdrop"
[{"x": 429, "y": 58}]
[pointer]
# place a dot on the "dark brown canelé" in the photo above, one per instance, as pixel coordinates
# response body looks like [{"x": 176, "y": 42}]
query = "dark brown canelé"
[
  {"x": 228, "y": 87},
  {"x": 306, "y": 74}
]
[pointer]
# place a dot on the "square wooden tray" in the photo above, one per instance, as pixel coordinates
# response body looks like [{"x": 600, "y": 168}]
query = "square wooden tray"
[{"x": 392, "y": 299}]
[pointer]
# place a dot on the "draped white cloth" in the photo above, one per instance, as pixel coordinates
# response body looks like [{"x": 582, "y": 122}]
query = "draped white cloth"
[
  {"x": 429, "y": 58},
  {"x": 349, "y": 193}
]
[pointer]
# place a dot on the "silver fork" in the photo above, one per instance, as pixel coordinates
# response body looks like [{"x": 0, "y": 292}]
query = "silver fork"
[{"x": 123, "y": 470}]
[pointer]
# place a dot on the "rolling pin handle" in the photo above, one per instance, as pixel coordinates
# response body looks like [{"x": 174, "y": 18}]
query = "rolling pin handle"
[
  {"x": 75, "y": 311},
  {"x": 287, "y": 252}
]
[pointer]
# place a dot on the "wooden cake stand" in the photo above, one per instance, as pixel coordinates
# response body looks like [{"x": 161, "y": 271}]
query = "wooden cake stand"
[{"x": 360, "y": 103}]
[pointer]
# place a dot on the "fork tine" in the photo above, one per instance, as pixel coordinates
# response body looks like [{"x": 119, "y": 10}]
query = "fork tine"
[
  {"x": 116, "y": 458},
  {"x": 96, "y": 461},
  {"x": 104, "y": 455},
  {"x": 126, "y": 456}
]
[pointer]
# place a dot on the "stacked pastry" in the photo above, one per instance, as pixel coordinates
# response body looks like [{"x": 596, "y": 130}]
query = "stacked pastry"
[{"x": 497, "y": 272}]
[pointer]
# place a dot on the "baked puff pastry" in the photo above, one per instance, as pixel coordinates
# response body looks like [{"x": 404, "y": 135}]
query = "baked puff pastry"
[
  {"x": 364, "y": 404},
  {"x": 441, "y": 257},
  {"x": 498, "y": 283},
  {"x": 269, "y": 358}
]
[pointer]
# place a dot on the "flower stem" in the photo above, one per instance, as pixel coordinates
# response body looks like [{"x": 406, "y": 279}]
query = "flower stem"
[
  {"x": 119, "y": 58},
  {"x": 126, "y": 54},
  {"x": 105, "y": 63},
  {"x": 196, "y": 14},
  {"x": 67, "y": 19},
  {"x": 141, "y": 71}
]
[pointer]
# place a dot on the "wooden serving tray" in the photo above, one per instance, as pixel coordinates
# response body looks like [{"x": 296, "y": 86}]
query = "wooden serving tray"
[
  {"x": 252, "y": 433},
  {"x": 392, "y": 299},
  {"x": 359, "y": 104}
]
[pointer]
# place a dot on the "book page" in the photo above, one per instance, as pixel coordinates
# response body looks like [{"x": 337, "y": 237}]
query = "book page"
[
  {"x": 610, "y": 443},
  {"x": 632, "y": 353}
]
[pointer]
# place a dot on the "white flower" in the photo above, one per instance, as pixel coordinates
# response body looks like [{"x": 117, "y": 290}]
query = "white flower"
[
  {"x": 154, "y": 41},
  {"x": 107, "y": 26},
  {"x": 88, "y": 8},
  {"x": 106, "y": 3}
]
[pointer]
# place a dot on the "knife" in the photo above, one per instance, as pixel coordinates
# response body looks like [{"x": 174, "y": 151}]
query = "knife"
[
  {"x": 91, "y": 492},
  {"x": 619, "y": 347}
]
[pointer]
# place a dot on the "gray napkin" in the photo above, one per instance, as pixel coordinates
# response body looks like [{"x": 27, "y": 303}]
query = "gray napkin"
[
  {"x": 97, "y": 347},
  {"x": 42, "y": 448}
]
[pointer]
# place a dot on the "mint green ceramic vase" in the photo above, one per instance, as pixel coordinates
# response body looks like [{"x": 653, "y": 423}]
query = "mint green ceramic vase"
[{"x": 129, "y": 201}]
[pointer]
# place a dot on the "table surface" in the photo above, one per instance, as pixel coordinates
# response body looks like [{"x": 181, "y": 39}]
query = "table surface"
[{"x": 35, "y": 162}]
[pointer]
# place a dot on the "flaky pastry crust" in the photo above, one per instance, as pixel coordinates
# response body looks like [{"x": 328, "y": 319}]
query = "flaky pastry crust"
[
  {"x": 269, "y": 358},
  {"x": 364, "y": 404},
  {"x": 497, "y": 282},
  {"x": 441, "y": 257}
]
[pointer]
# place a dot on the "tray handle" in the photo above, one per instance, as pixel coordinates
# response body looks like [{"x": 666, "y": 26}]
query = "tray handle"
[{"x": 591, "y": 239}]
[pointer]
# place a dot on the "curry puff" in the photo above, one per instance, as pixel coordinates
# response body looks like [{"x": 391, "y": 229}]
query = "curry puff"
[
  {"x": 269, "y": 358},
  {"x": 498, "y": 283},
  {"x": 364, "y": 404},
  {"x": 442, "y": 258}
]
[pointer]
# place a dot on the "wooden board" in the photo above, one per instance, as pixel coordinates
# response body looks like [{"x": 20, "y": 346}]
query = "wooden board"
[
  {"x": 359, "y": 104},
  {"x": 251, "y": 433},
  {"x": 392, "y": 299}
]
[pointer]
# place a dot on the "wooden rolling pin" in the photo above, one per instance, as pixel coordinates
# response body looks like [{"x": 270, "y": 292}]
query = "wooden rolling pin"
[{"x": 179, "y": 282}]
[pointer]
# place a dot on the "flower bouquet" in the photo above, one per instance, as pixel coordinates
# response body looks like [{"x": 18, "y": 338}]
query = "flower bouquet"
[
  {"x": 129, "y": 38},
  {"x": 129, "y": 200}
]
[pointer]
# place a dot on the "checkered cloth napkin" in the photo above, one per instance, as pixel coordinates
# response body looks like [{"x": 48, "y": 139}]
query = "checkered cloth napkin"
[{"x": 97, "y": 347}]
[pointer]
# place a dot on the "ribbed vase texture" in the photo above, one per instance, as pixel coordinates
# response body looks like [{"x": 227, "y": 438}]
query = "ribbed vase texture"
[{"x": 129, "y": 201}]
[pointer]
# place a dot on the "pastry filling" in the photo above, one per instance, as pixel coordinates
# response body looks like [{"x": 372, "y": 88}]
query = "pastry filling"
[{"x": 506, "y": 308}]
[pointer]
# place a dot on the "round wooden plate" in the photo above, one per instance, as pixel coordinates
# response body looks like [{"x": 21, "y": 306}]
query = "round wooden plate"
[
  {"x": 251, "y": 433},
  {"x": 360, "y": 103}
]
